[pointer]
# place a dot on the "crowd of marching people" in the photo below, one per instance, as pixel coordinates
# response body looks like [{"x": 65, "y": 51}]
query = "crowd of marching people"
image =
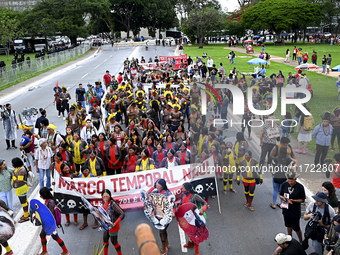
[{"x": 148, "y": 118}]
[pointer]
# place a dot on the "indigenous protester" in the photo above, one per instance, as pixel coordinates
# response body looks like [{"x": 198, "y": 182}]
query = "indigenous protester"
[{"x": 116, "y": 215}]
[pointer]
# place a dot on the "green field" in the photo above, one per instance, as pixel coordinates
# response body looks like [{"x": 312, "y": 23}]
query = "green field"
[
  {"x": 325, "y": 92},
  {"x": 320, "y": 49},
  {"x": 11, "y": 57}
]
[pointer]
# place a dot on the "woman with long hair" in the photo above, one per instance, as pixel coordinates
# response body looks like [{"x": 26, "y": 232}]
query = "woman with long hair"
[
  {"x": 116, "y": 215},
  {"x": 65, "y": 172},
  {"x": 190, "y": 196},
  {"x": 329, "y": 189},
  {"x": 154, "y": 113},
  {"x": 113, "y": 155}
]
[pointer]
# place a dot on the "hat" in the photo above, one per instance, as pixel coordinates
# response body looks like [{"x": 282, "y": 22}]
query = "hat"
[
  {"x": 292, "y": 175},
  {"x": 94, "y": 100},
  {"x": 57, "y": 88},
  {"x": 64, "y": 88},
  {"x": 89, "y": 85},
  {"x": 320, "y": 196},
  {"x": 22, "y": 126},
  {"x": 52, "y": 126},
  {"x": 112, "y": 115},
  {"x": 326, "y": 116},
  {"x": 282, "y": 238}
]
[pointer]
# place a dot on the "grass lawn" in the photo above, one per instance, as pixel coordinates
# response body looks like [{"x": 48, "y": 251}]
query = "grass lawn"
[
  {"x": 324, "y": 88},
  {"x": 321, "y": 49},
  {"x": 11, "y": 57}
]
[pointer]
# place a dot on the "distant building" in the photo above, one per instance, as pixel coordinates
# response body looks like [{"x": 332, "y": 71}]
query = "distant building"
[{"x": 18, "y": 5}]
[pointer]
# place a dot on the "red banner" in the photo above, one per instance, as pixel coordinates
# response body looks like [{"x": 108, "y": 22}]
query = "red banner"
[{"x": 177, "y": 59}]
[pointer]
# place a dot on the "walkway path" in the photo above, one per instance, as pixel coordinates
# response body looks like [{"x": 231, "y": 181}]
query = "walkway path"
[{"x": 281, "y": 60}]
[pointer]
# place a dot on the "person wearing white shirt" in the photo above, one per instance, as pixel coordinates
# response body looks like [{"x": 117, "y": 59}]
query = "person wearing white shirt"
[
  {"x": 88, "y": 131},
  {"x": 43, "y": 160},
  {"x": 210, "y": 63},
  {"x": 197, "y": 76},
  {"x": 290, "y": 95}
]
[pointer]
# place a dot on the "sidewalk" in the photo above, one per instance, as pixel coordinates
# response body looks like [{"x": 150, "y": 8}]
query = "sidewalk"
[{"x": 280, "y": 60}]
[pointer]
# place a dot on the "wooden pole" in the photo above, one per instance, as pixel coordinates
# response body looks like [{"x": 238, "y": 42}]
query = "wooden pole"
[
  {"x": 146, "y": 240},
  {"x": 218, "y": 196}
]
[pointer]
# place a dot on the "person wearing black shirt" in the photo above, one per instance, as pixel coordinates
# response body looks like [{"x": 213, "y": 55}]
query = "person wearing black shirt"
[
  {"x": 204, "y": 71},
  {"x": 213, "y": 73},
  {"x": 288, "y": 246},
  {"x": 189, "y": 61},
  {"x": 293, "y": 194}
]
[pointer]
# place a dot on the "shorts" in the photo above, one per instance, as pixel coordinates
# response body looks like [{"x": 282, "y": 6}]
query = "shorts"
[
  {"x": 29, "y": 161},
  {"x": 114, "y": 231},
  {"x": 292, "y": 222},
  {"x": 250, "y": 183},
  {"x": 327, "y": 66}
]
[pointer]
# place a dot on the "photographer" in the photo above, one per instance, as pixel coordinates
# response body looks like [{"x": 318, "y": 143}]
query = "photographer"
[
  {"x": 321, "y": 213},
  {"x": 331, "y": 238}
]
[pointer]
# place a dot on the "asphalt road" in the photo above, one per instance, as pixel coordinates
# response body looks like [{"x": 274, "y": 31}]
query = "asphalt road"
[{"x": 236, "y": 231}]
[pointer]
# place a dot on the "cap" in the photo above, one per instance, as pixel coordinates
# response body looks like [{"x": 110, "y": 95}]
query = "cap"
[
  {"x": 282, "y": 238},
  {"x": 320, "y": 196}
]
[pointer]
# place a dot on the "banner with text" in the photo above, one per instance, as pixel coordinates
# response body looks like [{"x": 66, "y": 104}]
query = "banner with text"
[
  {"x": 178, "y": 60},
  {"x": 125, "y": 188}
]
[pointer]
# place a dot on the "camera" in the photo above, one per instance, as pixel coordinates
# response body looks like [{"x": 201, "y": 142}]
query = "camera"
[{"x": 317, "y": 217}]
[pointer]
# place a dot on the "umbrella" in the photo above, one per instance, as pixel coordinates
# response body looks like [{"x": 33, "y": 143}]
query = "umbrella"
[
  {"x": 336, "y": 68},
  {"x": 306, "y": 66},
  {"x": 248, "y": 41},
  {"x": 256, "y": 36},
  {"x": 257, "y": 61}
]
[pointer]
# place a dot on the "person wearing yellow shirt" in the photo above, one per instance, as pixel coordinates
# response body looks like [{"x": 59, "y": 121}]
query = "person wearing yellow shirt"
[
  {"x": 95, "y": 164},
  {"x": 145, "y": 163},
  {"x": 19, "y": 179},
  {"x": 229, "y": 166},
  {"x": 76, "y": 147},
  {"x": 249, "y": 168},
  {"x": 299, "y": 55}
]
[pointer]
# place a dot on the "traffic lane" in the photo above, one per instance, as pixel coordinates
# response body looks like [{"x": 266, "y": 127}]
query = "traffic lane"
[
  {"x": 236, "y": 230},
  {"x": 42, "y": 97}
]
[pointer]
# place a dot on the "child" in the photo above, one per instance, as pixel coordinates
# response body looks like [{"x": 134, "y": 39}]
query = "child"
[
  {"x": 25, "y": 139},
  {"x": 219, "y": 135}
]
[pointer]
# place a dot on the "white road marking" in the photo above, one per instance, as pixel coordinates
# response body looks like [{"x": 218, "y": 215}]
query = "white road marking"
[
  {"x": 96, "y": 67},
  {"x": 84, "y": 75},
  {"x": 182, "y": 238}
]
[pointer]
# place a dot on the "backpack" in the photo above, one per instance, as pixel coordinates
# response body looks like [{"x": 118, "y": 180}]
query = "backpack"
[
  {"x": 308, "y": 123},
  {"x": 62, "y": 136},
  {"x": 57, "y": 215}
]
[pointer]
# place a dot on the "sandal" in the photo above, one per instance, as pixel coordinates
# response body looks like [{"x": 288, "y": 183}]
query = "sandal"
[
  {"x": 272, "y": 206},
  {"x": 24, "y": 219},
  {"x": 246, "y": 205},
  {"x": 76, "y": 223},
  {"x": 278, "y": 205},
  {"x": 251, "y": 208},
  {"x": 67, "y": 224},
  {"x": 83, "y": 226},
  {"x": 95, "y": 225},
  {"x": 166, "y": 252}
]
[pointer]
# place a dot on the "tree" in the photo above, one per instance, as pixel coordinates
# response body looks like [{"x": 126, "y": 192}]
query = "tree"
[
  {"x": 234, "y": 28},
  {"x": 161, "y": 14},
  {"x": 185, "y": 7},
  {"x": 202, "y": 22},
  {"x": 65, "y": 16},
  {"x": 278, "y": 15},
  {"x": 124, "y": 12},
  {"x": 9, "y": 27}
]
